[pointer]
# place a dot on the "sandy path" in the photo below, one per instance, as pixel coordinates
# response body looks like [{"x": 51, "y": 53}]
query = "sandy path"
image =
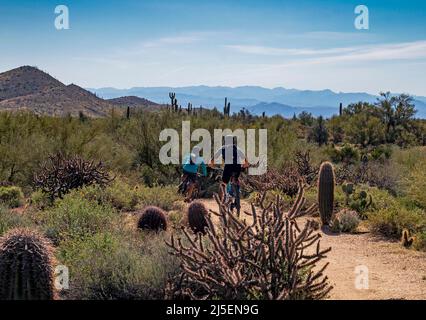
[{"x": 393, "y": 271}]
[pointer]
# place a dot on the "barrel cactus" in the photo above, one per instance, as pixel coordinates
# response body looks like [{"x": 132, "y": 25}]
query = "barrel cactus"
[
  {"x": 26, "y": 266},
  {"x": 326, "y": 183},
  {"x": 197, "y": 213},
  {"x": 152, "y": 218}
]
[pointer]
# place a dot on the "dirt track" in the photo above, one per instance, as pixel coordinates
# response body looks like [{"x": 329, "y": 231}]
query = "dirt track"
[{"x": 393, "y": 271}]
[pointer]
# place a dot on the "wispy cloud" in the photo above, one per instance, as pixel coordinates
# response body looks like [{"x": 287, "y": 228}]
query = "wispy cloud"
[
  {"x": 273, "y": 51},
  {"x": 397, "y": 51},
  {"x": 184, "y": 39}
]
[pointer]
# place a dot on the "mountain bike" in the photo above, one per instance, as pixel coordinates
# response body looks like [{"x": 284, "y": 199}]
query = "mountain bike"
[
  {"x": 232, "y": 194},
  {"x": 185, "y": 186}
]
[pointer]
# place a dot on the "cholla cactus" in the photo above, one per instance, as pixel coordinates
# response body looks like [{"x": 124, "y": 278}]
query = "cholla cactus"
[
  {"x": 264, "y": 256},
  {"x": 59, "y": 175},
  {"x": 26, "y": 266}
]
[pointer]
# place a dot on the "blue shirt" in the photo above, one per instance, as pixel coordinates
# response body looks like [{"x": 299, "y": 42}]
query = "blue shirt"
[{"x": 193, "y": 167}]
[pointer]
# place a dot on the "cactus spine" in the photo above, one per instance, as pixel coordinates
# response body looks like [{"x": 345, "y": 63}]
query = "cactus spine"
[
  {"x": 326, "y": 183},
  {"x": 26, "y": 266}
]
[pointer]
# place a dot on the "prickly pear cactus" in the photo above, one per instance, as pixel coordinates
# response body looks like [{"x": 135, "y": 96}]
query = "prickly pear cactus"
[
  {"x": 26, "y": 266},
  {"x": 326, "y": 184}
]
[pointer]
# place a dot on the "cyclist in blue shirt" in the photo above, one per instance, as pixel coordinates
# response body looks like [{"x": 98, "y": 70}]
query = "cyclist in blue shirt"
[{"x": 191, "y": 165}]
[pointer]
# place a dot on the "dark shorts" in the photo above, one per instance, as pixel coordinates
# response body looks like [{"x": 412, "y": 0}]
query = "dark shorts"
[
  {"x": 231, "y": 170},
  {"x": 191, "y": 177}
]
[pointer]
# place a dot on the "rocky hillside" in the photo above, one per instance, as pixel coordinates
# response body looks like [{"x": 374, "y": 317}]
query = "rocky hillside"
[{"x": 28, "y": 88}]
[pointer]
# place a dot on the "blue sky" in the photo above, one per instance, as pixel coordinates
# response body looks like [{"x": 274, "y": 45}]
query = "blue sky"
[{"x": 295, "y": 44}]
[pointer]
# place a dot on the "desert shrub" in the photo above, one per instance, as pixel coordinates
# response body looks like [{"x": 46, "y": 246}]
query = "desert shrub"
[
  {"x": 391, "y": 221},
  {"x": 40, "y": 200},
  {"x": 346, "y": 154},
  {"x": 381, "y": 152},
  {"x": 121, "y": 195},
  {"x": 381, "y": 174},
  {"x": 11, "y": 196},
  {"x": 76, "y": 217},
  {"x": 152, "y": 218},
  {"x": 164, "y": 197},
  {"x": 284, "y": 180},
  {"x": 381, "y": 199},
  {"x": 118, "y": 194},
  {"x": 109, "y": 266},
  {"x": 420, "y": 241},
  {"x": 346, "y": 221},
  {"x": 176, "y": 219},
  {"x": 11, "y": 220},
  {"x": 417, "y": 184}
]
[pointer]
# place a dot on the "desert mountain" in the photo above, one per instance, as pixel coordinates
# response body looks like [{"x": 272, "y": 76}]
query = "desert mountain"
[
  {"x": 134, "y": 102},
  {"x": 28, "y": 88}
]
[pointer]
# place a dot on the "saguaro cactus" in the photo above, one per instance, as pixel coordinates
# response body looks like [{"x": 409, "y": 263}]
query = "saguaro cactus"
[
  {"x": 326, "y": 183},
  {"x": 189, "y": 109},
  {"x": 227, "y": 108},
  {"x": 174, "y": 105},
  {"x": 26, "y": 266}
]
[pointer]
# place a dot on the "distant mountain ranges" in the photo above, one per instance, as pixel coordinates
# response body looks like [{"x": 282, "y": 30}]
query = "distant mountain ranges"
[
  {"x": 257, "y": 100},
  {"x": 29, "y": 88}
]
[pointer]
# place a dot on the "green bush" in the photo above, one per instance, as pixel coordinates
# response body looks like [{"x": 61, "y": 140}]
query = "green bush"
[
  {"x": 123, "y": 196},
  {"x": 392, "y": 220},
  {"x": 119, "y": 195},
  {"x": 417, "y": 184},
  {"x": 420, "y": 241},
  {"x": 75, "y": 217},
  {"x": 162, "y": 197},
  {"x": 346, "y": 221},
  {"x": 11, "y": 220},
  {"x": 110, "y": 266},
  {"x": 11, "y": 196},
  {"x": 40, "y": 200}
]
